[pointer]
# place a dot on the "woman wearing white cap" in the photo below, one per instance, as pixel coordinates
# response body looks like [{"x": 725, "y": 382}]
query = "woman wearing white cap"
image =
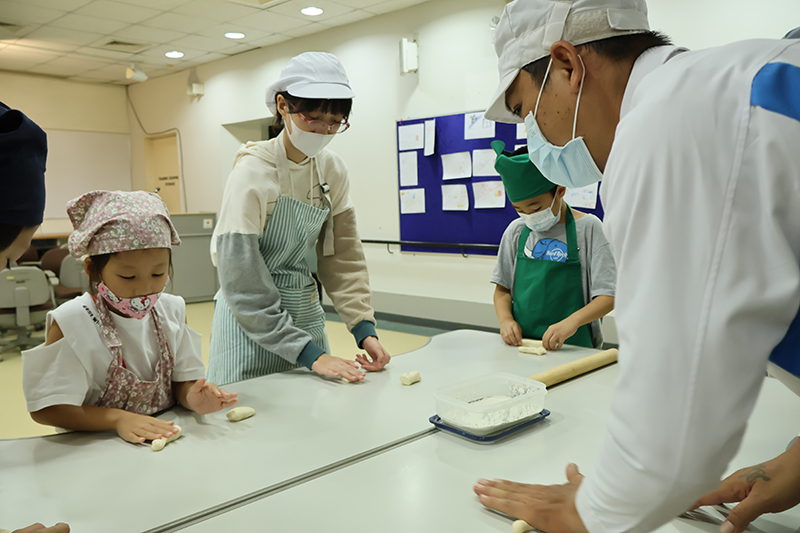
[
  {"x": 701, "y": 185},
  {"x": 283, "y": 197}
]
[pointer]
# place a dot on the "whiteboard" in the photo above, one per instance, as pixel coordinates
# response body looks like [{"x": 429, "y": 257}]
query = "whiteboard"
[{"x": 79, "y": 162}]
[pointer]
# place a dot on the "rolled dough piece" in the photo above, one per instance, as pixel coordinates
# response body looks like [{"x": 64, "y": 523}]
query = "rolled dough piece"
[
  {"x": 521, "y": 526},
  {"x": 410, "y": 378},
  {"x": 240, "y": 413},
  {"x": 531, "y": 343},
  {"x": 532, "y": 350},
  {"x": 159, "y": 444}
]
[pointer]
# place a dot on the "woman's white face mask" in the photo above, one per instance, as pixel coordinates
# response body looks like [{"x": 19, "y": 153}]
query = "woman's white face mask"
[{"x": 307, "y": 142}]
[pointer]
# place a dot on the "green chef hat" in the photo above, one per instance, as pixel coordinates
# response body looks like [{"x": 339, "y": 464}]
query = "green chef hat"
[{"x": 521, "y": 178}]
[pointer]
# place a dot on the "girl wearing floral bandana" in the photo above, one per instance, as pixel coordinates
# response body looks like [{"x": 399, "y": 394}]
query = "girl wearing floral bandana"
[{"x": 123, "y": 352}]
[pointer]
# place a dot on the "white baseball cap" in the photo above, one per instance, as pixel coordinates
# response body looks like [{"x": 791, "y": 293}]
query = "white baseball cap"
[
  {"x": 528, "y": 28},
  {"x": 311, "y": 75}
]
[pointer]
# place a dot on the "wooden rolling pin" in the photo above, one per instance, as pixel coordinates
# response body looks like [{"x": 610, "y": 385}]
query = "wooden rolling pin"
[{"x": 576, "y": 368}]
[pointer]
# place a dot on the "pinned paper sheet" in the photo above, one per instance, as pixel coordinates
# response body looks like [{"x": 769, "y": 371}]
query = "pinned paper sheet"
[
  {"x": 478, "y": 127},
  {"x": 412, "y": 201},
  {"x": 522, "y": 132},
  {"x": 483, "y": 163},
  {"x": 585, "y": 197},
  {"x": 489, "y": 194},
  {"x": 408, "y": 169},
  {"x": 518, "y": 146},
  {"x": 454, "y": 198},
  {"x": 411, "y": 137},
  {"x": 456, "y": 166},
  {"x": 430, "y": 136}
]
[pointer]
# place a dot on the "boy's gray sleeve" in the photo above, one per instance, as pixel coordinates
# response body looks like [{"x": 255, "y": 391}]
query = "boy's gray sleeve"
[
  {"x": 255, "y": 301},
  {"x": 603, "y": 274},
  {"x": 503, "y": 273}
]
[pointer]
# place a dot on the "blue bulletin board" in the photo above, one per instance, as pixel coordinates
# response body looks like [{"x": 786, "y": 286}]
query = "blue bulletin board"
[{"x": 471, "y": 226}]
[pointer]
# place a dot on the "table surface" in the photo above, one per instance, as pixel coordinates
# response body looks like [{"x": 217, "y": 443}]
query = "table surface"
[
  {"x": 304, "y": 423},
  {"x": 429, "y": 481}
]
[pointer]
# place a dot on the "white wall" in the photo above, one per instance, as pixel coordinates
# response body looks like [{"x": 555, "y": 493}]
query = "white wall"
[{"x": 457, "y": 73}]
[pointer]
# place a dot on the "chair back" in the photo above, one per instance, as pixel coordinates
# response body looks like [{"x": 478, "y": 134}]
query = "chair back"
[
  {"x": 72, "y": 273},
  {"x": 22, "y": 288},
  {"x": 51, "y": 259}
]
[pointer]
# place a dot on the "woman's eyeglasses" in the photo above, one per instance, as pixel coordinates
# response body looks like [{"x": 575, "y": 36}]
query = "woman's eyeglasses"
[{"x": 324, "y": 128}]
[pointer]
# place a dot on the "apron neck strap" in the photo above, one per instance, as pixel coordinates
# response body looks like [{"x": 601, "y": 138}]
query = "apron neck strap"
[{"x": 572, "y": 237}]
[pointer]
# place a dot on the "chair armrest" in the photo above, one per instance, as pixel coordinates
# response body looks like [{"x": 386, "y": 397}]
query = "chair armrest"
[{"x": 54, "y": 281}]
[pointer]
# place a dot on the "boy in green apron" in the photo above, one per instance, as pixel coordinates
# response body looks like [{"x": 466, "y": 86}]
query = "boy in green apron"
[{"x": 555, "y": 274}]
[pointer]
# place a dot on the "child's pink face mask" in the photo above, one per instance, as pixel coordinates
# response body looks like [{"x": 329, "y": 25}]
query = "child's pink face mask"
[{"x": 138, "y": 307}]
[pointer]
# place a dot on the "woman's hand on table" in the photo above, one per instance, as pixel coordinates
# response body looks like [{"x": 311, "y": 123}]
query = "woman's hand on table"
[
  {"x": 137, "y": 428},
  {"x": 511, "y": 333},
  {"x": 771, "y": 487},
  {"x": 204, "y": 397},
  {"x": 39, "y": 528},
  {"x": 379, "y": 357},
  {"x": 336, "y": 367},
  {"x": 558, "y": 333},
  {"x": 548, "y": 508}
]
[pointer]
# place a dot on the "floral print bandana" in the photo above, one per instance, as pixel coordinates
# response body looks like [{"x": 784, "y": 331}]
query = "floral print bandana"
[{"x": 107, "y": 222}]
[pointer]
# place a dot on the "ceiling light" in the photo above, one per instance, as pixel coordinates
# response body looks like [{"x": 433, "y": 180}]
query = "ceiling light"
[
  {"x": 311, "y": 11},
  {"x": 135, "y": 73},
  {"x": 234, "y": 35},
  {"x": 174, "y": 54}
]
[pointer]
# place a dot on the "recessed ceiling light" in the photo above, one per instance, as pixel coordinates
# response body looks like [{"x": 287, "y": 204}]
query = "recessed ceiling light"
[
  {"x": 311, "y": 11},
  {"x": 234, "y": 35},
  {"x": 174, "y": 54}
]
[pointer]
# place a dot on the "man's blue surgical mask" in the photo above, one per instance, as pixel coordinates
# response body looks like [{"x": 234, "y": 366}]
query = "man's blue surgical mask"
[{"x": 570, "y": 165}]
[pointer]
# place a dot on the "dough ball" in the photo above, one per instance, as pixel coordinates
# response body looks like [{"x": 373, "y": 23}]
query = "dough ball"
[
  {"x": 240, "y": 413},
  {"x": 158, "y": 445},
  {"x": 532, "y": 343},
  {"x": 521, "y": 526},
  {"x": 410, "y": 378},
  {"x": 532, "y": 350}
]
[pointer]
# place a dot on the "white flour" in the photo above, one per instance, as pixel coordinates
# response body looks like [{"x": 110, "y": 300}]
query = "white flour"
[{"x": 497, "y": 416}]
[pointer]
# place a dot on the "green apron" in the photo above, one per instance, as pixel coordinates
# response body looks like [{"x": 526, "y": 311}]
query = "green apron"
[{"x": 547, "y": 292}]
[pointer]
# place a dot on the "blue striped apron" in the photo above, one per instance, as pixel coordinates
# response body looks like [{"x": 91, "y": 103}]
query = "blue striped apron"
[{"x": 290, "y": 233}]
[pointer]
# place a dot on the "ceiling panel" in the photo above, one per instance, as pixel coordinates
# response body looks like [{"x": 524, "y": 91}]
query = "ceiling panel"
[
  {"x": 73, "y": 21},
  {"x": 144, "y": 34},
  {"x": 173, "y": 21},
  {"x": 216, "y": 10},
  {"x": 65, "y": 38},
  {"x": 61, "y": 5},
  {"x": 207, "y": 44},
  {"x": 330, "y": 9},
  {"x": 353, "y": 16},
  {"x": 251, "y": 34},
  {"x": 163, "y": 5},
  {"x": 47, "y": 45},
  {"x": 392, "y": 5},
  {"x": 20, "y": 13},
  {"x": 271, "y": 22},
  {"x": 120, "y": 11},
  {"x": 63, "y": 35}
]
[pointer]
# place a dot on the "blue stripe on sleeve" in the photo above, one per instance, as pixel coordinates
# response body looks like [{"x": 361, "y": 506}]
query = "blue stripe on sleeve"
[{"x": 776, "y": 88}]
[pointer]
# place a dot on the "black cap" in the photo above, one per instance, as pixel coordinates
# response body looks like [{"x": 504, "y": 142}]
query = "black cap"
[{"x": 23, "y": 153}]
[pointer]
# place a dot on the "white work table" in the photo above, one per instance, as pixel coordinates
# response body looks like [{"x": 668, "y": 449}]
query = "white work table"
[
  {"x": 303, "y": 426},
  {"x": 426, "y": 485}
]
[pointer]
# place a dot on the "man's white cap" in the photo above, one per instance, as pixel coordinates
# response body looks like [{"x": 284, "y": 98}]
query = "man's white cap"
[
  {"x": 528, "y": 28},
  {"x": 311, "y": 75}
]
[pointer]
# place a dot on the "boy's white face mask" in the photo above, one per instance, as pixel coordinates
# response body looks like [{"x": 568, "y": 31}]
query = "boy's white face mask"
[{"x": 541, "y": 220}]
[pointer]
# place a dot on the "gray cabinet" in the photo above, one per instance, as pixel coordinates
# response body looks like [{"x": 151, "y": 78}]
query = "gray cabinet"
[{"x": 195, "y": 276}]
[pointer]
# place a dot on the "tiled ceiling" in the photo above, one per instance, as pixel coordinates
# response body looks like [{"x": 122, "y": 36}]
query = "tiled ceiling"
[{"x": 70, "y": 38}]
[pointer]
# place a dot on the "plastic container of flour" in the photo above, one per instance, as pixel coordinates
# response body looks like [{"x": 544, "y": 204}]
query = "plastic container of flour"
[{"x": 489, "y": 404}]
